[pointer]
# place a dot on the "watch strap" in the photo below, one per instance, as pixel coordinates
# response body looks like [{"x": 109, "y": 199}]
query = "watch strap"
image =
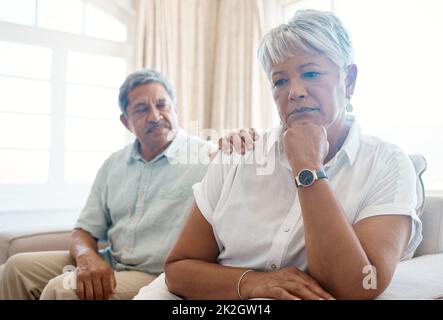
[{"x": 321, "y": 174}]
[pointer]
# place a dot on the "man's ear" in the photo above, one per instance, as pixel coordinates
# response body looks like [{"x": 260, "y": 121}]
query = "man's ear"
[
  {"x": 351, "y": 78},
  {"x": 124, "y": 120},
  {"x": 175, "y": 108}
]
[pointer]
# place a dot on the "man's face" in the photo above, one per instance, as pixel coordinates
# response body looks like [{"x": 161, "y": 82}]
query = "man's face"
[{"x": 151, "y": 116}]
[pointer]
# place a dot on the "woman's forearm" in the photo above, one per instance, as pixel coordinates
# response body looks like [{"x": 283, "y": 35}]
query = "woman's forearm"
[
  {"x": 335, "y": 255},
  {"x": 195, "y": 279}
]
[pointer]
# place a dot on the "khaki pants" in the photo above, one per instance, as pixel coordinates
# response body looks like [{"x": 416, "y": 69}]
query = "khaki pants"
[{"x": 39, "y": 275}]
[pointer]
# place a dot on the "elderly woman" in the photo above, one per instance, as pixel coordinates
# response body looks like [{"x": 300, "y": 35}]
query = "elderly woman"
[{"x": 332, "y": 216}]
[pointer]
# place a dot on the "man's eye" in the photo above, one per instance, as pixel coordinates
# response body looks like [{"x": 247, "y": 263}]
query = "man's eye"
[
  {"x": 280, "y": 82},
  {"x": 141, "y": 110},
  {"x": 311, "y": 75}
]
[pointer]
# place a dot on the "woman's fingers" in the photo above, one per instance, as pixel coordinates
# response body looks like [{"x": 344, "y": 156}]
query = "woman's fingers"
[
  {"x": 282, "y": 294},
  {"x": 314, "y": 286}
]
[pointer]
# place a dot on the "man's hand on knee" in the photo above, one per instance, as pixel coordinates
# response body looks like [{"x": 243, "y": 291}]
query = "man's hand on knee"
[{"x": 95, "y": 278}]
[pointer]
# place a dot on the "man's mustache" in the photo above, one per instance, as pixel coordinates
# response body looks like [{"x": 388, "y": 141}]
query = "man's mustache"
[{"x": 156, "y": 124}]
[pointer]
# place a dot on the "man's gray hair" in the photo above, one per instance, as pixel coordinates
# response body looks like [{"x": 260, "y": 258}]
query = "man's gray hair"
[
  {"x": 309, "y": 30},
  {"x": 139, "y": 78}
]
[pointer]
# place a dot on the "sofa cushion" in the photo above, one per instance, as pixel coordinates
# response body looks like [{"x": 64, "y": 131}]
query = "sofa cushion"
[
  {"x": 418, "y": 278},
  {"x": 432, "y": 220}
]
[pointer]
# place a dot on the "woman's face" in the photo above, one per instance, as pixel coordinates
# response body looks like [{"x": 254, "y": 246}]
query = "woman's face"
[{"x": 310, "y": 87}]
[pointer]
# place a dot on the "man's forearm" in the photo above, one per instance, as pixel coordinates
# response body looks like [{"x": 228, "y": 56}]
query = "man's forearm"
[{"x": 82, "y": 243}]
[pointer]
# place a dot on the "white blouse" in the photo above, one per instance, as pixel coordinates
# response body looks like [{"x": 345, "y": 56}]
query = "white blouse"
[{"x": 252, "y": 205}]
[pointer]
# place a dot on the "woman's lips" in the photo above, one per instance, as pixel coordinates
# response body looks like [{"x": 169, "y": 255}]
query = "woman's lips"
[{"x": 298, "y": 112}]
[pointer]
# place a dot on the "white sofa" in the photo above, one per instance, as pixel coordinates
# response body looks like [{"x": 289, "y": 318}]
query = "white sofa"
[{"x": 422, "y": 276}]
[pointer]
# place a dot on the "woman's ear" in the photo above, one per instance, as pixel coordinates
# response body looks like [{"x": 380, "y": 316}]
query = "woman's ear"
[{"x": 351, "y": 77}]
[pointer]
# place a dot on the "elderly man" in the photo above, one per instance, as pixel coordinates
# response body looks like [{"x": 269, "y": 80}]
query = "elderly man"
[{"x": 137, "y": 203}]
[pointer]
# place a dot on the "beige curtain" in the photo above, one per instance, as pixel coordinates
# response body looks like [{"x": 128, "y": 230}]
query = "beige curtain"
[{"x": 208, "y": 50}]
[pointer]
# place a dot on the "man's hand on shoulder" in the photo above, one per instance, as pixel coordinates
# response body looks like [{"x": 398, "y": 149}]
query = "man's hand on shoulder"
[{"x": 238, "y": 141}]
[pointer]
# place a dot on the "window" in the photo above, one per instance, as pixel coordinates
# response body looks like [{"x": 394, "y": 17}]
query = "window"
[
  {"x": 71, "y": 16},
  {"x": 62, "y": 62},
  {"x": 398, "y": 53},
  {"x": 25, "y": 113}
]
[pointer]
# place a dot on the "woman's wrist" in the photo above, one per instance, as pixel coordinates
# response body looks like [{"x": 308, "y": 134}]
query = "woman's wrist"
[{"x": 243, "y": 289}]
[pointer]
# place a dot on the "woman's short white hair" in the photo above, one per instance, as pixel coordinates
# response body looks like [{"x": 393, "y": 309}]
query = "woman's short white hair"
[{"x": 311, "y": 31}]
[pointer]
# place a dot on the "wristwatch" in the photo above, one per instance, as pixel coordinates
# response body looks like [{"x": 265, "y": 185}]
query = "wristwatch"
[{"x": 307, "y": 177}]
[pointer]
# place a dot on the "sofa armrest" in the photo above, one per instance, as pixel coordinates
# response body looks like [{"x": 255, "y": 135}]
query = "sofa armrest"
[
  {"x": 432, "y": 220},
  {"x": 417, "y": 278},
  {"x": 16, "y": 242}
]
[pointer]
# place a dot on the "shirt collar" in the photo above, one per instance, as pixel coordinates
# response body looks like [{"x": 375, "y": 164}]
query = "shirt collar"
[
  {"x": 349, "y": 148},
  {"x": 171, "y": 152},
  {"x": 353, "y": 140}
]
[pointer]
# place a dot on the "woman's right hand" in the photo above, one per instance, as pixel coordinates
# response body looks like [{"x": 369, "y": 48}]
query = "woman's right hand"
[{"x": 284, "y": 284}]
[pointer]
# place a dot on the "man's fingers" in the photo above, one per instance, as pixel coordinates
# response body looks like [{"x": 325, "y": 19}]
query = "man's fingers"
[
  {"x": 80, "y": 290},
  {"x": 113, "y": 281},
  {"x": 247, "y": 139},
  {"x": 224, "y": 146},
  {"x": 89, "y": 292},
  {"x": 97, "y": 287},
  {"x": 236, "y": 142},
  {"x": 107, "y": 286},
  {"x": 254, "y": 134}
]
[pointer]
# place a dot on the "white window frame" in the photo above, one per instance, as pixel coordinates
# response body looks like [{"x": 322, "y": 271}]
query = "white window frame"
[{"x": 56, "y": 194}]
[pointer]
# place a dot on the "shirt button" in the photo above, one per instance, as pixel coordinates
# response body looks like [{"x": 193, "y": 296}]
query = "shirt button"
[{"x": 273, "y": 266}]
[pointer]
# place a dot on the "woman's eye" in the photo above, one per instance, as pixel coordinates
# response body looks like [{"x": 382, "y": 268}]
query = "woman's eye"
[
  {"x": 279, "y": 82},
  {"x": 311, "y": 75}
]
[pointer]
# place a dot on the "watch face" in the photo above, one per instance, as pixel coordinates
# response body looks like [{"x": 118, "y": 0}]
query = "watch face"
[{"x": 306, "y": 177}]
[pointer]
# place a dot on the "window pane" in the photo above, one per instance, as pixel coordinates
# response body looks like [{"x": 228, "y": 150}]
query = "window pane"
[
  {"x": 397, "y": 95},
  {"x": 96, "y": 69},
  {"x": 23, "y": 167},
  {"x": 25, "y": 60},
  {"x": 94, "y": 135},
  {"x": 102, "y": 25},
  {"x": 18, "y": 11},
  {"x": 61, "y": 15},
  {"x": 290, "y": 9},
  {"x": 82, "y": 167},
  {"x": 20, "y": 95},
  {"x": 19, "y": 131},
  {"x": 94, "y": 102}
]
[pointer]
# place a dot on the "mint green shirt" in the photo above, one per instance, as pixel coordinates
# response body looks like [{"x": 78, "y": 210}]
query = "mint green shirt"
[{"x": 139, "y": 206}]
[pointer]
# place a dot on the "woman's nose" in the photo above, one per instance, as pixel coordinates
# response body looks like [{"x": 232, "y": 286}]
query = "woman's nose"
[{"x": 297, "y": 90}]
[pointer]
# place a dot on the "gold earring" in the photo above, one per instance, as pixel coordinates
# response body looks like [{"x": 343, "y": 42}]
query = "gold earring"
[{"x": 349, "y": 107}]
